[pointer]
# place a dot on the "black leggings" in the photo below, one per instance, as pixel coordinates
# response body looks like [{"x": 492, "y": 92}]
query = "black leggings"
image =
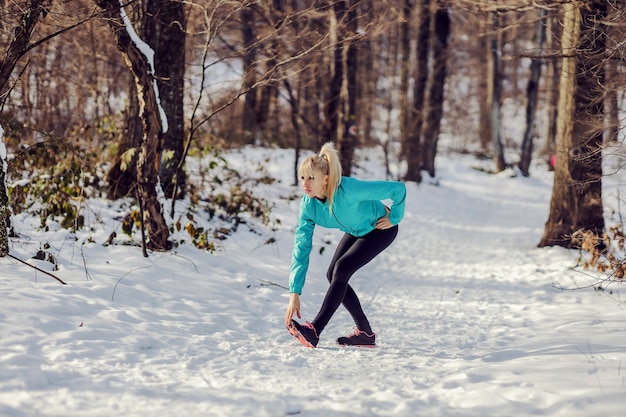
[{"x": 352, "y": 253}]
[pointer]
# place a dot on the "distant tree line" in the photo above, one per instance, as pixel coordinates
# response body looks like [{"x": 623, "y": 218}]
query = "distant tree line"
[{"x": 139, "y": 84}]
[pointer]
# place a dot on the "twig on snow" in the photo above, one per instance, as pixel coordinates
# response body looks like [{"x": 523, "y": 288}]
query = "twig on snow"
[
  {"x": 122, "y": 277},
  {"x": 38, "y": 269}
]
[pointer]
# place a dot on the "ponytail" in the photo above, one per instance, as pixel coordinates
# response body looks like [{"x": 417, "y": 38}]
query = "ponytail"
[{"x": 327, "y": 162}]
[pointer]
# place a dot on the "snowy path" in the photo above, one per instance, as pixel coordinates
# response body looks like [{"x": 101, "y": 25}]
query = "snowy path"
[{"x": 468, "y": 321}]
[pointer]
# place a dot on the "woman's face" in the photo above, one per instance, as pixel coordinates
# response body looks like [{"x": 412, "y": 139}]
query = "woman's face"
[{"x": 314, "y": 185}]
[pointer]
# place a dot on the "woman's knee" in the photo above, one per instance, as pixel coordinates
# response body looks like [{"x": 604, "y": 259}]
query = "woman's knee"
[
  {"x": 340, "y": 271},
  {"x": 329, "y": 274}
]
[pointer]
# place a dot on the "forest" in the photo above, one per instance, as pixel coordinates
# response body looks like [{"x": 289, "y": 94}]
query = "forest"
[{"x": 109, "y": 98}]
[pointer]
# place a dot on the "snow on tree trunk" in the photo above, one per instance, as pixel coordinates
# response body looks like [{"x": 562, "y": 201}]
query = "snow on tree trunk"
[
  {"x": 4, "y": 199},
  {"x": 139, "y": 57},
  {"x": 164, "y": 24}
]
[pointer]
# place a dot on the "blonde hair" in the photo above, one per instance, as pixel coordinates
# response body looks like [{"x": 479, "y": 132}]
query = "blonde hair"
[{"x": 327, "y": 162}]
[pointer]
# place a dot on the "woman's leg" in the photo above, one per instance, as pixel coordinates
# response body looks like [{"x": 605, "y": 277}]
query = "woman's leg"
[
  {"x": 350, "y": 300},
  {"x": 351, "y": 254}
]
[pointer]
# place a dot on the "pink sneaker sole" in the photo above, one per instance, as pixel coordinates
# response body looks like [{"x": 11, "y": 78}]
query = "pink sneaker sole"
[{"x": 295, "y": 333}]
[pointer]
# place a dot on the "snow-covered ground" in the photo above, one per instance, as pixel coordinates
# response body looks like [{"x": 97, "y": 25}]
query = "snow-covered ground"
[{"x": 468, "y": 318}]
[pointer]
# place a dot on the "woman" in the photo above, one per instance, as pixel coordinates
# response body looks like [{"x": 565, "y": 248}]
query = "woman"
[{"x": 354, "y": 207}]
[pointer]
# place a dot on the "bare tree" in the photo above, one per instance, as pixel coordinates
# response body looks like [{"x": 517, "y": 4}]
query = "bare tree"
[
  {"x": 614, "y": 74},
  {"x": 349, "y": 134},
  {"x": 532, "y": 97},
  {"x": 5, "y": 210},
  {"x": 250, "y": 69},
  {"x": 411, "y": 143},
  {"x": 551, "y": 100},
  {"x": 154, "y": 123},
  {"x": 494, "y": 75},
  {"x": 404, "y": 71},
  {"x": 439, "y": 51},
  {"x": 577, "y": 193},
  {"x": 165, "y": 28},
  {"x": 30, "y": 15}
]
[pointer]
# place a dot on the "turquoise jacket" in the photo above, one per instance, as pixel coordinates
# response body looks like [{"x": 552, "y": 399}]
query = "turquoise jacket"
[{"x": 357, "y": 206}]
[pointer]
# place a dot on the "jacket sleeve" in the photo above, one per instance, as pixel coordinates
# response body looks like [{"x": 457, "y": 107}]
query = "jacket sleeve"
[
  {"x": 398, "y": 196},
  {"x": 302, "y": 246},
  {"x": 384, "y": 190}
]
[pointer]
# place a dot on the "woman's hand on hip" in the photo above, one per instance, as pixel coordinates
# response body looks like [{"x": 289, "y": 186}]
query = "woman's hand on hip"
[
  {"x": 384, "y": 223},
  {"x": 292, "y": 308}
]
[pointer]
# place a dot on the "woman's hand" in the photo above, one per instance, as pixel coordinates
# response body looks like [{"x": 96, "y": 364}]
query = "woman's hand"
[
  {"x": 384, "y": 223},
  {"x": 292, "y": 307}
]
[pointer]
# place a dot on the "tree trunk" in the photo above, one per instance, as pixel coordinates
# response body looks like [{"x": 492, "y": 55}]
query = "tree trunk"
[
  {"x": 349, "y": 137},
  {"x": 439, "y": 50},
  {"x": 122, "y": 175},
  {"x": 552, "y": 90},
  {"x": 32, "y": 12},
  {"x": 297, "y": 132},
  {"x": 405, "y": 61},
  {"x": 249, "y": 116},
  {"x": 31, "y": 15},
  {"x": 268, "y": 93},
  {"x": 411, "y": 145},
  {"x": 367, "y": 67},
  {"x": 5, "y": 211},
  {"x": 577, "y": 193},
  {"x": 333, "y": 103},
  {"x": 164, "y": 27},
  {"x": 484, "y": 87},
  {"x": 151, "y": 117},
  {"x": 532, "y": 96},
  {"x": 612, "y": 102},
  {"x": 495, "y": 89}
]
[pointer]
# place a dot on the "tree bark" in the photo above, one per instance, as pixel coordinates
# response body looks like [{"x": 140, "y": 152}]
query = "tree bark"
[
  {"x": 495, "y": 90},
  {"x": 405, "y": 67},
  {"x": 153, "y": 126},
  {"x": 349, "y": 138},
  {"x": 439, "y": 50},
  {"x": 32, "y": 12},
  {"x": 577, "y": 193},
  {"x": 164, "y": 27},
  {"x": 5, "y": 211},
  {"x": 122, "y": 175},
  {"x": 367, "y": 74},
  {"x": 249, "y": 116},
  {"x": 532, "y": 96},
  {"x": 31, "y": 15},
  {"x": 612, "y": 101},
  {"x": 484, "y": 87},
  {"x": 552, "y": 77},
  {"x": 333, "y": 103},
  {"x": 411, "y": 145}
]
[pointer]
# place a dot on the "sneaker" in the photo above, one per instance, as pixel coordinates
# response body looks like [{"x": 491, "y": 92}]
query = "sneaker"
[
  {"x": 358, "y": 339},
  {"x": 305, "y": 333}
]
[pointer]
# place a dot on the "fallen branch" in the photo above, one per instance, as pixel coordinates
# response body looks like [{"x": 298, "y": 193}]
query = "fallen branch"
[
  {"x": 270, "y": 283},
  {"x": 38, "y": 269}
]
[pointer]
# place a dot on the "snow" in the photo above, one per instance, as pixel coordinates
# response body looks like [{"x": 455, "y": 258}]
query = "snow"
[{"x": 468, "y": 318}]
